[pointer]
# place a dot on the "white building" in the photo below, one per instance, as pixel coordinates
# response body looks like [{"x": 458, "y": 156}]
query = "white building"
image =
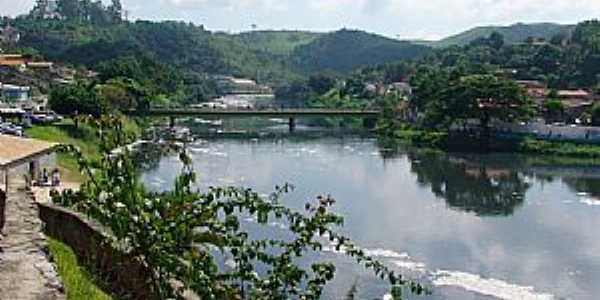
[{"x": 14, "y": 94}]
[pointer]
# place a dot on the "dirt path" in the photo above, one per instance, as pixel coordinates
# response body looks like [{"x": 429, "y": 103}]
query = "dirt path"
[{"x": 25, "y": 272}]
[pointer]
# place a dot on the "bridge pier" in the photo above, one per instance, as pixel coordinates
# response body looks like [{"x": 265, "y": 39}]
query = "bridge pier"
[
  {"x": 292, "y": 124},
  {"x": 369, "y": 123}
]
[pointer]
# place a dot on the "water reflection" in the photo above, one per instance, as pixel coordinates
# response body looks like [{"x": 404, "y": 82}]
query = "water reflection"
[
  {"x": 468, "y": 185},
  {"x": 391, "y": 208}
]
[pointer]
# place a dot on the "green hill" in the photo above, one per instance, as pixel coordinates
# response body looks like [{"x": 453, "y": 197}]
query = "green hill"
[
  {"x": 346, "y": 50},
  {"x": 512, "y": 34},
  {"x": 281, "y": 42},
  {"x": 177, "y": 44}
]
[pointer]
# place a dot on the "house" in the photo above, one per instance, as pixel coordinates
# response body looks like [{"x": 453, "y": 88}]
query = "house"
[
  {"x": 574, "y": 94},
  {"x": 232, "y": 85},
  {"x": 13, "y": 60},
  {"x": 536, "y": 90},
  {"x": 575, "y": 102},
  {"x": 40, "y": 65},
  {"x": 402, "y": 87},
  {"x": 10, "y": 93}
]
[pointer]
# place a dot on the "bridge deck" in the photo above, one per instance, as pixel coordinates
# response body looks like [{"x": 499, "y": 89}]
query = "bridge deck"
[{"x": 258, "y": 113}]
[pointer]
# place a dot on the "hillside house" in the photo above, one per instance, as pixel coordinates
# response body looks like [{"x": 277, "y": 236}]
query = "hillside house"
[
  {"x": 14, "y": 94},
  {"x": 13, "y": 60},
  {"x": 536, "y": 90},
  {"x": 232, "y": 85},
  {"x": 576, "y": 102}
]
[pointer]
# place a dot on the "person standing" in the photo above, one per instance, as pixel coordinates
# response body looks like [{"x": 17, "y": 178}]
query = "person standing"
[{"x": 2, "y": 206}]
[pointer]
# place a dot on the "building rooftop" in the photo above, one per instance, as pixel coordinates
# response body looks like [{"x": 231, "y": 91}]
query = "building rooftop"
[
  {"x": 16, "y": 150},
  {"x": 573, "y": 93}
]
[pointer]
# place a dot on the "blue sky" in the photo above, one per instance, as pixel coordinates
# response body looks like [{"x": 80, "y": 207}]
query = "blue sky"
[{"x": 407, "y": 19}]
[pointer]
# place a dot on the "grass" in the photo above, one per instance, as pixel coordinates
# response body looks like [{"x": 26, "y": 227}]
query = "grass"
[
  {"x": 81, "y": 136},
  {"x": 79, "y": 284},
  {"x": 67, "y": 133}
]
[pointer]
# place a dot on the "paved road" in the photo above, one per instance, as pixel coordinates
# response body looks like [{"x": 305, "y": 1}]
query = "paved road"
[{"x": 25, "y": 271}]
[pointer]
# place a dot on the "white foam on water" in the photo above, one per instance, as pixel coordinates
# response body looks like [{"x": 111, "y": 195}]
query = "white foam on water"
[
  {"x": 489, "y": 287},
  {"x": 200, "y": 150},
  {"x": 590, "y": 201},
  {"x": 217, "y": 153},
  {"x": 388, "y": 297},
  {"x": 410, "y": 266},
  {"x": 385, "y": 253}
]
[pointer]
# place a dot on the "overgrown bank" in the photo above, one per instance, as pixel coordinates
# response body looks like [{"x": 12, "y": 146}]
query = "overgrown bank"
[{"x": 461, "y": 142}]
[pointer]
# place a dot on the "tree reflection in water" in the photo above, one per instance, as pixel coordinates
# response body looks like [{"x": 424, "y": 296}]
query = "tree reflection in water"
[
  {"x": 470, "y": 186},
  {"x": 584, "y": 185}
]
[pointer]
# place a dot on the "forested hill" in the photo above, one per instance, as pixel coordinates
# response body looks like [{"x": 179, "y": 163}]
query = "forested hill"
[
  {"x": 278, "y": 42},
  {"x": 346, "y": 50},
  {"x": 180, "y": 45},
  {"x": 513, "y": 34},
  {"x": 270, "y": 56}
]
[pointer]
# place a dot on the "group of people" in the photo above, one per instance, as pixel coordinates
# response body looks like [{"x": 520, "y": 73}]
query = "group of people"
[{"x": 54, "y": 180}]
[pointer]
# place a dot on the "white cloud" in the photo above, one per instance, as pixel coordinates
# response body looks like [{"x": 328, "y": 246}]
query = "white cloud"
[{"x": 406, "y": 18}]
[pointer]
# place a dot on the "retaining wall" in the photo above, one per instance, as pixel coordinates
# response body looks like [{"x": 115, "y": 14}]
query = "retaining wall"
[{"x": 124, "y": 275}]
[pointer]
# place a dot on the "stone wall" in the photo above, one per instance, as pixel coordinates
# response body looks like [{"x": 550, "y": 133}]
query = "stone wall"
[{"x": 122, "y": 274}]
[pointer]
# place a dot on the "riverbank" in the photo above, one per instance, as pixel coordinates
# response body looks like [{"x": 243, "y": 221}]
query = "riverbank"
[{"x": 459, "y": 142}]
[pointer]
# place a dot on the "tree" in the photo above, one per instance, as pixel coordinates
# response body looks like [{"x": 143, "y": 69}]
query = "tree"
[
  {"x": 554, "y": 110},
  {"x": 596, "y": 114},
  {"x": 321, "y": 84},
  {"x": 496, "y": 40},
  {"x": 121, "y": 94},
  {"x": 71, "y": 10},
  {"x": 116, "y": 11},
  {"x": 98, "y": 14},
  {"x": 75, "y": 99},
  {"x": 483, "y": 97}
]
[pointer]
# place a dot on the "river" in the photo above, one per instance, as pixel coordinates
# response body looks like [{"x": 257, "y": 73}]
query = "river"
[{"x": 469, "y": 226}]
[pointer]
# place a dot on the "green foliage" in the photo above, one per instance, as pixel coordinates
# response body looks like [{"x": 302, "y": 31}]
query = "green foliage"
[
  {"x": 554, "y": 110},
  {"x": 482, "y": 97},
  {"x": 179, "y": 234},
  {"x": 276, "y": 42},
  {"x": 346, "y": 50},
  {"x": 76, "y": 99},
  {"x": 595, "y": 112},
  {"x": 78, "y": 283},
  {"x": 321, "y": 84},
  {"x": 513, "y": 34}
]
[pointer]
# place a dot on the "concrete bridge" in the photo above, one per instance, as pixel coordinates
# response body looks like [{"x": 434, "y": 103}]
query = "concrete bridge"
[{"x": 290, "y": 113}]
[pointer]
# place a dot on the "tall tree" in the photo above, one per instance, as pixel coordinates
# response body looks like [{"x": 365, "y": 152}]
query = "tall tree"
[
  {"x": 116, "y": 11},
  {"x": 71, "y": 10},
  {"x": 483, "y": 97},
  {"x": 98, "y": 15}
]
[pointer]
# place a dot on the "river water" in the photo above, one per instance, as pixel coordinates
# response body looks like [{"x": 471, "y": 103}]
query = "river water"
[{"x": 468, "y": 226}]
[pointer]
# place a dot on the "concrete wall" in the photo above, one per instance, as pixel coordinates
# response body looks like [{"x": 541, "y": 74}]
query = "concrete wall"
[
  {"x": 552, "y": 132},
  {"x": 122, "y": 274}
]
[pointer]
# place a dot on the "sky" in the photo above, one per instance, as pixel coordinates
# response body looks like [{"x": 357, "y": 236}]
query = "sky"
[{"x": 405, "y": 19}]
